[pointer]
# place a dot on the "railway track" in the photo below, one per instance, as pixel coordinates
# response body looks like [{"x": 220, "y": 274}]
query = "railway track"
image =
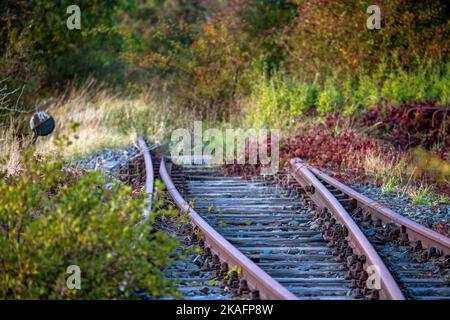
[
  {"x": 416, "y": 257},
  {"x": 191, "y": 280},
  {"x": 303, "y": 235}
]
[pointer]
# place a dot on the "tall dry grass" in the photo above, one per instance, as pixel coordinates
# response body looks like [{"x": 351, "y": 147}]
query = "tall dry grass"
[
  {"x": 9, "y": 150},
  {"x": 417, "y": 174},
  {"x": 105, "y": 120},
  {"x": 379, "y": 165}
]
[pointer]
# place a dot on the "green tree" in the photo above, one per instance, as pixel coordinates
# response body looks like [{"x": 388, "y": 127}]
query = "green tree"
[
  {"x": 331, "y": 36},
  {"x": 265, "y": 21},
  {"x": 36, "y": 35}
]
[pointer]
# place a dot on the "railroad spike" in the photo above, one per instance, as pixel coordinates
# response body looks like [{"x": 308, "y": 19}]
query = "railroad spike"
[
  {"x": 404, "y": 241},
  {"x": 216, "y": 262},
  {"x": 418, "y": 246},
  {"x": 310, "y": 189},
  {"x": 207, "y": 253}
]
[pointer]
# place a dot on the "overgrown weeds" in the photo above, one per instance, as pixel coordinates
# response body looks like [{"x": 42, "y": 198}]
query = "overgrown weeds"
[
  {"x": 105, "y": 120},
  {"x": 52, "y": 217},
  {"x": 282, "y": 98}
]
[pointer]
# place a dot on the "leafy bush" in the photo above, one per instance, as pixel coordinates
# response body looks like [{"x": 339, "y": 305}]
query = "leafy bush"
[
  {"x": 52, "y": 217},
  {"x": 426, "y": 83},
  {"x": 358, "y": 94},
  {"x": 211, "y": 75},
  {"x": 329, "y": 100},
  {"x": 162, "y": 27},
  {"x": 38, "y": 44},
  {"x": 278, "y": 99}
]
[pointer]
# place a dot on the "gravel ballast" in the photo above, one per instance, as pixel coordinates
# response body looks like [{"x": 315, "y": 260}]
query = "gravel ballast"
[{"x": 435, "y": 217}]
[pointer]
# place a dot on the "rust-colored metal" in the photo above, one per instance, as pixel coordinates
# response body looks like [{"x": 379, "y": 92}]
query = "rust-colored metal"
[
  {"x": 323, "y": 198},
  {"x": 415, "y": 231},
  {"x": 149, "y": 177},
  {"x": 256, "y": 278}
]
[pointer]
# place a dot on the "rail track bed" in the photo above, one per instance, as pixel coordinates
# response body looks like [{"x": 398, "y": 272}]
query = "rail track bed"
[
  {"x": 271, "y": 227},
  {"x": 193, "y": 282},
  {"x": 422, "y": 273},
  {"x": 188, "y": 274},
  {"x": 298, "y": 235}
]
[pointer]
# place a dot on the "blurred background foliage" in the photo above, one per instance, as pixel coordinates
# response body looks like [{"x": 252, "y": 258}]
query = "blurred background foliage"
[
  {"x": 264, "y": 63},
  {"x": 309, "y": 67},
  {"x": 210, "y": 54},
  {"x": 255, "y": 62},
  {"x": 217, "y": 46},
  {"x": 38, "y": 49}
]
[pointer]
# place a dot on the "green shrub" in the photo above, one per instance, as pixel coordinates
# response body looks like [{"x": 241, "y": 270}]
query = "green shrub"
[
  {"x": 427, "y": 82},
  {"x": 439, "y": 83},
  {"x": 364, "y": 91},
  {"x": 304, "y": 96},
  {"x": 211, "y": 73},
  {"x": 51, "y": 218},
  {"x": 277, "y": 100},
  {"x": 329, "y": 100}
]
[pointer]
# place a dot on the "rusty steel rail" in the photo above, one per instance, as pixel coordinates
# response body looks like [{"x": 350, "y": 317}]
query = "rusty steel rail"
[
  {"x": 255, "y": 276},
  {"x": 415, "y": 231},
  {"x": 149, "y": 176},
  {"x": 361, "y": 245}
]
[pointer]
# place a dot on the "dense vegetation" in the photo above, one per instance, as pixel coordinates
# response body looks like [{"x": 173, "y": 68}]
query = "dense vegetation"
[
  {"x": 210, "y": 54},
  {"x": 53, "y": 217},
  {"x": 378, "y": 98}
]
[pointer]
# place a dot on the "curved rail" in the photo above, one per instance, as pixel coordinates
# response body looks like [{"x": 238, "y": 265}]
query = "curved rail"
[
  {"x": 149, "y": 176},
  {"x": 321, "y": 196},
  {"x": 255, "y": 276},
  {"x": 415, "y": 231}
]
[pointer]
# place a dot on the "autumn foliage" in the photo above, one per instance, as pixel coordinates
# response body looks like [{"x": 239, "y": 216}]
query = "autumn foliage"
[{"x": 412, "y": 124}]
